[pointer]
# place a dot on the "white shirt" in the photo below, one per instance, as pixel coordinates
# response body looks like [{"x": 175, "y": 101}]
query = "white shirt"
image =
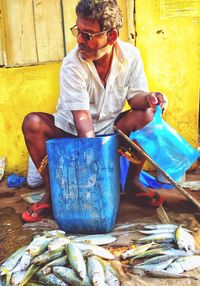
[{"x": 82, "y": 89}]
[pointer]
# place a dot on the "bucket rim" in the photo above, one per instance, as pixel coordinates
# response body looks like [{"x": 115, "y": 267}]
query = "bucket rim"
[{"x": 53, "y": 140}]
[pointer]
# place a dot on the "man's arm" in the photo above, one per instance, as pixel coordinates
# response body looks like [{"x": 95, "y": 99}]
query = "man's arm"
[
  {"x": 143, "y": 100},
  {"x": 139, "y": 101},
  {"x": 83, "y": 123}
]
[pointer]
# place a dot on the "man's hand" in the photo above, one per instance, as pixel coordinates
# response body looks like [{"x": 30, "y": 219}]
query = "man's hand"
[
  {"x": 157, "y": 98},
  {"x": 143, "y": 100}
]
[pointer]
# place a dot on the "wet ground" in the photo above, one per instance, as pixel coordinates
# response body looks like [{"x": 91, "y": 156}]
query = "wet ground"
[{"x": 14, "y": 234}]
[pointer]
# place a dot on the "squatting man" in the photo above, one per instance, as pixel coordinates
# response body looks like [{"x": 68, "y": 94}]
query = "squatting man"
[{"x": 96, "y": 78}]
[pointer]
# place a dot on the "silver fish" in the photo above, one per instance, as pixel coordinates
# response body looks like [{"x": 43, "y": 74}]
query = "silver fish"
[
  {"x": 176, "y": 252},
  {"x": 29, "y": 273},
  {"x": 76, "y": 260},
  {"x": 95, "y": 271},
  {"x": 136, "y": 251},
  {"x": 124, "y": 226},
  {"x": 38, "y": 245},
  {"x": 69, "y": 276},
  {"x": 184, "y": 239},
  {"x": 24, "y": 262},
  {"x": 166, "y": 274},
  {"x": 156, "y": 231},
  {"x": 184, "y": 264},
  {"x": 12, "y": 260},
  {"x": 51, "y": 279},
  {"x": 161, "y": 226},
  {"x": 149, "y": 253},
  {"x": 58, "y": 242},
  {"x": 111, "y": 275},
  {"x": 159, "y": 266},
  {"x": 159, "y": 236},
  {"x": 61, "y": 261},
  {"x": 97, "y": 239},
  {"x": 94, "y": 250},
  {"x": 157, "y": 259},
  {"x": 48, "y": 256},
  {"x": 17, "y": 277}
]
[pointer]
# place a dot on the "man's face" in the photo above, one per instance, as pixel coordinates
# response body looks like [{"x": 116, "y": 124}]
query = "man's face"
[{"x": 97, "y": 46}]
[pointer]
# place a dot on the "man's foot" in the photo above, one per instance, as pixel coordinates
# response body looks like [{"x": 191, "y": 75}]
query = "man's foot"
[
  {"x": 36, "y": 212},
  {"x": 144, "y": 196}
]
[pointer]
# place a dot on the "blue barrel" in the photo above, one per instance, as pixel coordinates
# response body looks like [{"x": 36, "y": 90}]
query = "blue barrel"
[{"x": 84, "y": 178}]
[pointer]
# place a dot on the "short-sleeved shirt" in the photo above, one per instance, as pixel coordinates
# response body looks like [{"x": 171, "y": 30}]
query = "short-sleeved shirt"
[{"x": 81, "y": 88}]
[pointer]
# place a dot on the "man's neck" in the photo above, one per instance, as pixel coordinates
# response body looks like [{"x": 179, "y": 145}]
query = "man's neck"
[{"x": 103, "y": 65}]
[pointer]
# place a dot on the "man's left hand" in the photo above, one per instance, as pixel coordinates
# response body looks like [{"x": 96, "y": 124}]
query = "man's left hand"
[{"x": 157, "y": 98}]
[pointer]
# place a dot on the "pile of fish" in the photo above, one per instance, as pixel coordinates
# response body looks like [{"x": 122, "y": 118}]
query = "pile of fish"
[
  {"x": 53, "y": 258},
  {"x": 167, "y": 250},
  {"x": 56, "y": 259}
]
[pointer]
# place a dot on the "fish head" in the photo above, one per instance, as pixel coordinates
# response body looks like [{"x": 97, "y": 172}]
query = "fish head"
[
  {"x": 4, "y": 271},
  {"x": 46, "y": 270},
  {"x": 182, "y": 244},
  {"x": 56, "y": 268},
  {"x": 175, "y": 268},
  {"x": 34, "y": 251}
]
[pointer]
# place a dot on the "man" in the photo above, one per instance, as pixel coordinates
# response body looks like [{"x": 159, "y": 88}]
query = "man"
[{"x": 96, "y": 78}]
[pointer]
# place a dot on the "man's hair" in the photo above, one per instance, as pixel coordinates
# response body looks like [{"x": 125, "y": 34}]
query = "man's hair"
[{"x": 106, "y": 12}]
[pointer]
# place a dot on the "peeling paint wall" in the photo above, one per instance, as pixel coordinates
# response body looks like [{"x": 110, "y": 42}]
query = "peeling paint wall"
[
  {"x": 33, "y": 88},
  {"x": 24, "y": 90},
  {"x": 170, "y": 49}
]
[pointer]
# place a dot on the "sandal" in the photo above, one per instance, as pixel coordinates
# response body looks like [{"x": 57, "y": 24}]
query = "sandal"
[
  {"x": 153, "y": 198},
  {"x": 34, "y": 217}
]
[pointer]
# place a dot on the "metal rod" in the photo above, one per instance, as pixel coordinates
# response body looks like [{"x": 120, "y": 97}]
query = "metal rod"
[{"x": 146, "y": 156}]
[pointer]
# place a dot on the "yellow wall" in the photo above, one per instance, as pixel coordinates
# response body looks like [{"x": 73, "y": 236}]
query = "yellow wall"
[
  {"x": 27, "y": 89},
  {"x": 23, "y": 90},
  {"x": 171, "y": 64},
  {"x": 170, "y": 49}
]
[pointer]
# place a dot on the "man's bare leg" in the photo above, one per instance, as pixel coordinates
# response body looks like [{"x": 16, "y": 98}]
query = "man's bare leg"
[
  {"x": 128, "y": 122},
  {"x": 38, "y": 127}
]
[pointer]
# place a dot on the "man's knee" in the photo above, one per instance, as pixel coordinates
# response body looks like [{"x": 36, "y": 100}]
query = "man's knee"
[
  {"x": 32, "y": 122},
  {"x": 134, "y": 120},
  {"x": 142, "y": 118}
]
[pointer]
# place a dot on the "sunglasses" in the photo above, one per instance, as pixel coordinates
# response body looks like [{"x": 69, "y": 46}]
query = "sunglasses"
[{"x": 86, "y": 36}]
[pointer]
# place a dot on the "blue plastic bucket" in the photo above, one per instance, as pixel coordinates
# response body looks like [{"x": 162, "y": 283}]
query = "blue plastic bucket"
[{"x": 84, "y": 178}]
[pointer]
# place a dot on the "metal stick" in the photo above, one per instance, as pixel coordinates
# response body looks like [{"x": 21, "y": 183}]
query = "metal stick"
[{"x": 146, "y": 156}]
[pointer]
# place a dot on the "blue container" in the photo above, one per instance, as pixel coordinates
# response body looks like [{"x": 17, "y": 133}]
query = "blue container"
[{"x": 84, "y": 178}]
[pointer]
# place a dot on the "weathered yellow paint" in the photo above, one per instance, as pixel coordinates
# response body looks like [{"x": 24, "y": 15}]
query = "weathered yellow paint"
[
  {"x": 24, "y": 90},
  {"x": 170, "y": 49},
  {"x": 33, "y": 88}
]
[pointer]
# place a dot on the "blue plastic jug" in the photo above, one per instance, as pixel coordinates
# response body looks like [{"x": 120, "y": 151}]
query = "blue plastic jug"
[{"x": 84, "y": 178}]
